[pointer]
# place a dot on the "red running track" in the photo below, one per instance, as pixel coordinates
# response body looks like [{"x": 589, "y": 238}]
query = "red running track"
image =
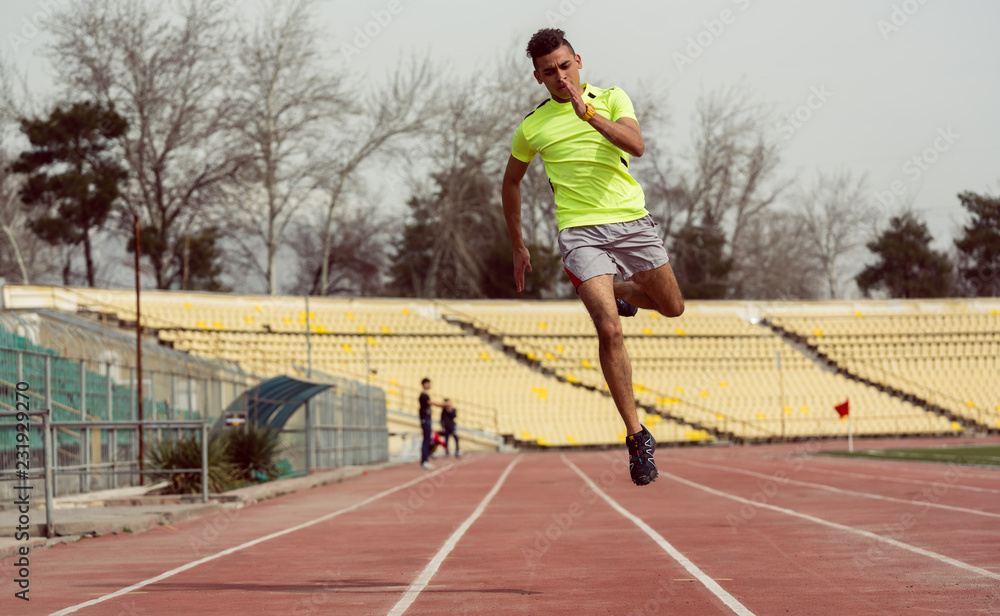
[{"x": 753, "y": 530}]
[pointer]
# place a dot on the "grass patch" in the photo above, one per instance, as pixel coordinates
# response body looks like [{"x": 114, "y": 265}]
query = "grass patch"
[{"x": 988, "y": 455}]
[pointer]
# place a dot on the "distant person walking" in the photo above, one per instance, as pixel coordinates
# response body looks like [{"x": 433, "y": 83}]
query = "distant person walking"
[
  {"x": 425, "y": 423},
  {"x": 448, "y": 414}
]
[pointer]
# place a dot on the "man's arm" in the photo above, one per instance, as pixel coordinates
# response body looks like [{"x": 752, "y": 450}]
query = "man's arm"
[
  {"x": 510, "y": 195},
  {"x": 624, "y": 134}
]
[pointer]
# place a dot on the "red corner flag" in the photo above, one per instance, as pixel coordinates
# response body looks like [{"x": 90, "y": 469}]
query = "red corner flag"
[{"x": 843, "y": 409}]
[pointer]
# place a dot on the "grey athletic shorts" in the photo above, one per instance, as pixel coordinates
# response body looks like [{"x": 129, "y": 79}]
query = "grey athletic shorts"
[{"x": 628, "y": 247}]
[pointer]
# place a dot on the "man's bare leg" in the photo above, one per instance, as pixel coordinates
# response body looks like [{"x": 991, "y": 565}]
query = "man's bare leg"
[
  {"x": 655, "y": 289},
  {"x": 598, "y": 295}
]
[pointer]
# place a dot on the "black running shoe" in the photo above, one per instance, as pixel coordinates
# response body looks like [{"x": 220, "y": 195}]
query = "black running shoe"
[
  {"x": 640, "y": 457},
  {"x": 626, "y": 309}
]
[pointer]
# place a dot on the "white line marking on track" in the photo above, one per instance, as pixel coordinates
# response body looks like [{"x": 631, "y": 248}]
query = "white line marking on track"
[
  {"x": 820, "y": 486},
  {"x": 674, "y": 553},
  {"x": 813, "y": 469},
  {"x": 233, "y": 550},
  {"x": 899, "y": 544},
  {"x": 425, "y": 576}
]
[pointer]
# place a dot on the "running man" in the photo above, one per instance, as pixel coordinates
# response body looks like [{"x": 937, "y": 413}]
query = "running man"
[{"x": 585, "y": 136}]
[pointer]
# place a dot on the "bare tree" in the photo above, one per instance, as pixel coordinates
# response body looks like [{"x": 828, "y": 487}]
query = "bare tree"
[
  {"x": 359, "y": 257},
  {"x": 657, "y": 170},
  {"x": 29, "y": 256},
  {"x": 784, "y": 267},
  {"x": 284, "y": 96},
  {"x": 366, "y": 128},
  {"x": 734, "y": 163},
  {"x": 169, "y": 74},
  {"x": 13, "y": 222},
  {"x": 834, "y": 215},
  {"x": 472, "y": 144}
]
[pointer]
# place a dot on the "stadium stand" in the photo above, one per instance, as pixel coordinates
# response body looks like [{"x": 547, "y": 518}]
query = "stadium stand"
[
  {"x": 740, "y": 371},
  {"x": 944, "y": 354},
  {"x": 712, "y": 367}
]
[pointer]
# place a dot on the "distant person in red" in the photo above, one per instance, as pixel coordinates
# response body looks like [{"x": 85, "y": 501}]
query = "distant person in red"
[
  {"x": 425, "y": 423},
  {"x": 448, "y": 414}
]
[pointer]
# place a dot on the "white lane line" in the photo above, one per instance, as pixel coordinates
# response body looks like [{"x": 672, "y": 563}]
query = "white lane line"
[
  {"x": 233, "y": 550},
  {"x": 899, "y": 544},
  {"x": 425, "y": 576},
  {"x": 674, "y": 553},
  {"x": 820, "y": 486},
  {"x": 814, "y": 469}
]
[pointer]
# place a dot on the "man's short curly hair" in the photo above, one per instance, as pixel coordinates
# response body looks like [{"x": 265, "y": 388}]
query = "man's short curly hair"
[{"x": 545, "y": 41}]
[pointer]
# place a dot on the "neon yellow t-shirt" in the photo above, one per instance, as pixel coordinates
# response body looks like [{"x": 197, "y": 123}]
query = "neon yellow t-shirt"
[{"x": 588, "y": 173}]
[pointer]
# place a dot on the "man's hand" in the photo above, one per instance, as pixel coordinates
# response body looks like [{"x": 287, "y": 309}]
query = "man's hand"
[
  {"x": 575, "y": 97},
  {"x": 522, "y": 262}
]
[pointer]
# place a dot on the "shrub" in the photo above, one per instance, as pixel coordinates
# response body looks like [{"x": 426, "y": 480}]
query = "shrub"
[
  {"x": 252, "y": 452},
  {"x": 185, "y": 452}
]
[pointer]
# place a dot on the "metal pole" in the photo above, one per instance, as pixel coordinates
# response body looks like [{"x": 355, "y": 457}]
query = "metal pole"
[
  {"x": 309, "y": 436},
  {"x": 781, "y": 391},
  {"x": 138, "y": 352},
  {"x": 48, "y": 383},
  {"x": 113, "y": 456},
  {"x": 109, "y": 393},
  {"x": 309, "y": 352},
  {"x": 20, "y": 366},
  {"x": 131, "y": 394},
  {"x": 83, "y": 390},
  {"x": 50, "y": 530},
  {"x": 204, "y": 462}
]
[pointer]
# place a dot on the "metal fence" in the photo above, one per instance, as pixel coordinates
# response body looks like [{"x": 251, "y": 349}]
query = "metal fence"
[
  {"x": 105, "y": 461},
  {"x": 85, "y": 373},
  {"x": 346, "y": 426},
  {"x": 86, "y": 376}
]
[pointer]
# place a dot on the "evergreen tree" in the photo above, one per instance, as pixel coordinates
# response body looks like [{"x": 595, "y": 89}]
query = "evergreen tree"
[
  {"x": 698, "y": 260},
  {"x": 906, "y": 266},
  {"x": 456, "y": 243},
  {"x": 979, "y": 246},
  {"x": 73, "y": 175}
]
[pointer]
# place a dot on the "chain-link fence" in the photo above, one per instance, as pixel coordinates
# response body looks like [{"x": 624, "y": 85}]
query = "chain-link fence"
[
  {"x": 347, "y": 420},
  {"x": 84, "y": 372}
]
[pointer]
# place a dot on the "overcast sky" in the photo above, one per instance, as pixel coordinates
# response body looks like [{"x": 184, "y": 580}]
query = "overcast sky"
[
  {"x": 886, "y": 80},
  {"x": 874, "y": 83}
]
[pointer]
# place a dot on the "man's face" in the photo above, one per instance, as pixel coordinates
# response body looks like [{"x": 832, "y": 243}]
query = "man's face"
[
  {"x": 427, "y": 386},
  {"x": 555, "y": 67}
]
